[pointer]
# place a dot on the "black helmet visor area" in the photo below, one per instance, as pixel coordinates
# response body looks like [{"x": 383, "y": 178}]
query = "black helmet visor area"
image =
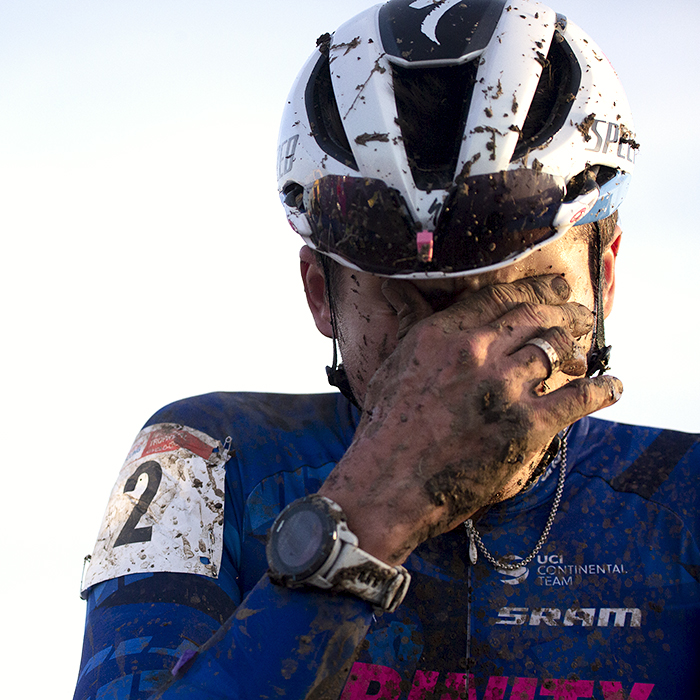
[{"x": 487, "y": 219}]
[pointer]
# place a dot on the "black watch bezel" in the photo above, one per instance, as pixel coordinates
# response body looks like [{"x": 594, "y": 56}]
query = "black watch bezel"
[{"x": 289, "y": 521}]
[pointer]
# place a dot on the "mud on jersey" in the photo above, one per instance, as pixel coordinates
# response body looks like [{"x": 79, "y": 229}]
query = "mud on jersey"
[{"x": 609, "y": 609}]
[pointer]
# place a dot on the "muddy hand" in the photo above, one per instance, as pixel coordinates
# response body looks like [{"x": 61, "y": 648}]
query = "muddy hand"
[
  {"x": 452, "y": 417},
  {"x": 411, "y": 307}
]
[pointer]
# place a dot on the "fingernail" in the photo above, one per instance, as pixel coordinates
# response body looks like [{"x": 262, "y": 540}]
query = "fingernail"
[
  {"x": 616, "y": 389},
  {"x": 576, "y": 365},
  {"x": 561, "y": 287}
]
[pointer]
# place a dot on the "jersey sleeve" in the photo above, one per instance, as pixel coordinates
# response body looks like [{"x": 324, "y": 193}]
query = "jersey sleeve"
[
  {"x": 279, "y": 642},
  {"x": 163, "y": 636},
  {"x": 170, "y": 611}
]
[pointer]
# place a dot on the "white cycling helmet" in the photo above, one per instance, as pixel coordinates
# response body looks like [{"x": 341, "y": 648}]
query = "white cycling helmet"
[{"x": 432, "y": 138}]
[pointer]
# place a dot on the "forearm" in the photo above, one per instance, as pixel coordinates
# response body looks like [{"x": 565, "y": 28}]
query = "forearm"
[
  {"x": 138, "y": 629},
  {"x": 301, "y": 641}
]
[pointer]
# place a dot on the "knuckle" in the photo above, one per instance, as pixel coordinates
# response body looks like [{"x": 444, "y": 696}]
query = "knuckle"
[
  {"x": 499, "y": 295},
  {"x": 586, "y": 392},
  {"x": 576, "y": 315},
  {"x": 546, "y": 289},
  {"x": 560, "y": 338},
  {"x": 533, "y": 313},
  {"x": 535, "y": 291},
  {"x": 473, "y": 351}
]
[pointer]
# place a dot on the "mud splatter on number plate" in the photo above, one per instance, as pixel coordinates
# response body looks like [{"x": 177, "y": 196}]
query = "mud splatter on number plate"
[{"x": 166, "y": 511}]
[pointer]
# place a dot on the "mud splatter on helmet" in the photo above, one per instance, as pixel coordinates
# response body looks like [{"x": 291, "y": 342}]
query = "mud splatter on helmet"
[{"x": 426, "y": 138}]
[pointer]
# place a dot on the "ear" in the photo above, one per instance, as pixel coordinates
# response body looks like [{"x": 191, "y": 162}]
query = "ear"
[
  {"x": 609, "y": 260},
  {"x": 315, "y": 288}
]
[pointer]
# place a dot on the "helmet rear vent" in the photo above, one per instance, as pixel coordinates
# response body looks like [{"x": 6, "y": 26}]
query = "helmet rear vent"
[
  {"x": 324, "y": 116},
  {"x": 432, "y": 106},
  {"x": 555, "y": 94}
]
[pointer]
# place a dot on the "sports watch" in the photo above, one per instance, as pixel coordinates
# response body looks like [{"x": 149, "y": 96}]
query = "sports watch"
[{"x": 310, "y": 544}]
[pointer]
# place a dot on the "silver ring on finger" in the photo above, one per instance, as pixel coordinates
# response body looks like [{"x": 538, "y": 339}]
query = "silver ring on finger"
[{"x": 548, "y": 349}]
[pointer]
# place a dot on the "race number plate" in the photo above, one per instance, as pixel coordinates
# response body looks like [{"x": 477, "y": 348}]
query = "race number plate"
[{"x": 166, "y": 511}]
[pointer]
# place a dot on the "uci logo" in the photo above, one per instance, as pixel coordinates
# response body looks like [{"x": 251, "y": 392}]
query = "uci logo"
[
  {"x": 516, "y": 576},
  {"x": 430, "y": 23}
]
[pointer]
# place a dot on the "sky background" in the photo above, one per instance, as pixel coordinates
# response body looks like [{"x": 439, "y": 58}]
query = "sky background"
[{"x": 146, "y": 256}]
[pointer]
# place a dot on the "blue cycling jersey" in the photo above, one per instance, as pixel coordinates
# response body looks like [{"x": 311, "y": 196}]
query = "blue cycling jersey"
[{"x": 609, "y": 609}]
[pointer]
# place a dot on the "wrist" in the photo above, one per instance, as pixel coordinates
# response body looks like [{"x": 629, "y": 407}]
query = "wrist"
[
  {"x": 310, "y": 544},
  {"x": 386, "y": 529}
]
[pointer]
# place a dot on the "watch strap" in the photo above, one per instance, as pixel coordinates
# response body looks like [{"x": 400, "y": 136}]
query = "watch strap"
[{"x": 359, "y": 573}]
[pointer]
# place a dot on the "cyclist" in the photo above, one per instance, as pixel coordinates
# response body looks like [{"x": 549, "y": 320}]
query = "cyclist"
[{"x": 453, "y": 523}]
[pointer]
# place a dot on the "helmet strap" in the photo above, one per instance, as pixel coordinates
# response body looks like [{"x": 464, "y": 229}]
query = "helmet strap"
[
  {"x": 599, "y": 354},
  {"x": 337, "y": 376}
]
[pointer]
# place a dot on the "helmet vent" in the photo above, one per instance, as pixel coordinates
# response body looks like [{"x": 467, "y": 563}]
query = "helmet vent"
[
  {"x": 432, "y": 106},
  {"x": 324, "y": 116},
  {"x": 555, "y": 94}
]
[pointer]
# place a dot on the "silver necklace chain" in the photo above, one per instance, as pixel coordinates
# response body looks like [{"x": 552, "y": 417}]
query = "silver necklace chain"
[{"x": 476, "y": 542}]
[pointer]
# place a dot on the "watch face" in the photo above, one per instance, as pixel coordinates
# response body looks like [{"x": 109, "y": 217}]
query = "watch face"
[
  {"x": 302, "y": 540},
  {"x": 299, "y": 540}
]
